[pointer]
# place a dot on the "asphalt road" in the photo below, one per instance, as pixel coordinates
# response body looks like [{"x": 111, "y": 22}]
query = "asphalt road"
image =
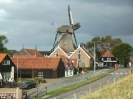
[
  {"x": 58, "y": 83},
  {"x": 112, "y": 77},
  {"x": 53, "y": 84}
]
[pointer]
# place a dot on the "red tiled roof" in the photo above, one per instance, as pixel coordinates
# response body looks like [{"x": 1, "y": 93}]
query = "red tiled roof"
[
  {"x": 69, "y": 60},
  {"x": 2, "y": 56},
  {"x": 107, "y": 54},
  {"x": 34, "y": 52},
  {"x": 64, "y": 49},
  {"x": 36, "y": 63},
  {"x": 24, "y": 56}
]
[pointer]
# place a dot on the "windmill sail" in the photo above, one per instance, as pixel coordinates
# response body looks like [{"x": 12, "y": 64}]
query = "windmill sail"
[{"x": 70, "y": 15}]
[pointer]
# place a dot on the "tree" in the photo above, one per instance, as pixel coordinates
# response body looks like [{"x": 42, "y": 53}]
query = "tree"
[
  {"x": 122, "y": 52},
  {"x": 3, "y": 41},
  {"x": 102, "y": 44}
]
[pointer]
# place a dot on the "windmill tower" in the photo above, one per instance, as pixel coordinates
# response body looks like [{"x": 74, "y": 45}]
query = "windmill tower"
[{"x": 64, "y": 34}]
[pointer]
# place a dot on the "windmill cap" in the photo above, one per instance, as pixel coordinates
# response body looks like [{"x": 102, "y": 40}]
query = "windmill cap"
[{"x": 65, "y": 28}]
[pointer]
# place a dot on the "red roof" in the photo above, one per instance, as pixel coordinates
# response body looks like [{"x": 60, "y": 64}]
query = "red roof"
[
  {"x": 36, "y": 63},
  {"x": 2, "y": 56},
  {"x": 64, "y": 50},
  {"x": 69, "y": 60},
  {"x": 34, "y": 52},
  {"x": 24, "y": 56},
  {"x": 107, "y": 54}
]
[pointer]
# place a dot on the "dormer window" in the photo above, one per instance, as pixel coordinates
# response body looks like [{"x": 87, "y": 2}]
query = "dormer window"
[{"x": 6, "y": 62}]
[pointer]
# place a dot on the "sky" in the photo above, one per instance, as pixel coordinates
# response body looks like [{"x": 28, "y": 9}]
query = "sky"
[{"x": 28, "y": 22}]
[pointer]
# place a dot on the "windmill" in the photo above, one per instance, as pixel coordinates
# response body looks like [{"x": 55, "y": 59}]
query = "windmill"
[{"x": 64, "y": 34}]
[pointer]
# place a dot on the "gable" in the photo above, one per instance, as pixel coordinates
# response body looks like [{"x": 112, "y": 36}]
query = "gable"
[
  {"x": 58, "y": 51},
  {"x": 5, "y": 60},
  {"x": 79, "y": 49}
]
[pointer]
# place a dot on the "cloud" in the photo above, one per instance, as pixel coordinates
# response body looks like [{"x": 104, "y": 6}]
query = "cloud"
[{"x": 30, "y": 20}]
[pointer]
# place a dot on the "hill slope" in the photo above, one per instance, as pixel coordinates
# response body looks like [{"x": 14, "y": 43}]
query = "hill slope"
[{"x": 122, "y": 89}]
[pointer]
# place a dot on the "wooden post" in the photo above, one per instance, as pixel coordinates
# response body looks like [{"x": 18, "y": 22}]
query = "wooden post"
[
  {"x": 114, "y": 80},
  {"x": 100, "y": 85},
  {"x": 46, "y": 89},
  {"x": 107, "y": 82},
  {"x": 89, "y": 89},
  {"x": 75, "y": 95}
]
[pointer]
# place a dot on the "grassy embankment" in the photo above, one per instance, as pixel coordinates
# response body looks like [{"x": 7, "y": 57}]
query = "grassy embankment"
[
  {"x": 122, "y": 89},
  {"x": 74, "y": 86}
]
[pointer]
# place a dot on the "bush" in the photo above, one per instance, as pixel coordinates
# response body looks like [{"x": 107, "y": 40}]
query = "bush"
[
  {"x": 36, "y": 80},
  {"x": 43, "y": 81}
]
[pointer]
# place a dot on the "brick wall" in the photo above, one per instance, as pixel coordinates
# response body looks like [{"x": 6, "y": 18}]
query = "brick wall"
[{"x": 15, "y": 93}]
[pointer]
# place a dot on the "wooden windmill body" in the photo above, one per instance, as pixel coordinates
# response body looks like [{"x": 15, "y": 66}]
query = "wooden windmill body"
[{"x": 64, "y": 34}]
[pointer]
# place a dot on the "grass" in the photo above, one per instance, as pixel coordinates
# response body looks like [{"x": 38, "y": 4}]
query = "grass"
[
  {"x": 74, "y": 86},
  {"x": 122, "y": 89}
]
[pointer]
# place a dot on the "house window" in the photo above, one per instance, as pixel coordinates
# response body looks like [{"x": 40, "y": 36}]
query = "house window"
[
  {"x": 108, "y": 59},
  {"x": 79, "y": 56},
  {"x": 6, "y": 62},
  {"x": 40, "y": 74}
]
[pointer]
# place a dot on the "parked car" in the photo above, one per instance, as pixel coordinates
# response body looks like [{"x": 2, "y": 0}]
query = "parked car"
[{"x": 28, "y": 85}]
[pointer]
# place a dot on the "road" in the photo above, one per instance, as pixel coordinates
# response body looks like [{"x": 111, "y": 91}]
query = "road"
[
  {"x": 58, "y": 83},
  {"x": 61, "y": 82},
  {"x": 112, "y": 77}
]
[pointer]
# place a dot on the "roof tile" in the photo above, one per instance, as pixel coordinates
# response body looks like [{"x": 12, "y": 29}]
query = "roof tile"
[
  {"x": 2, "y": 56},
  {"x": 36, "y": 63},
  {"x": 107, "y": 54},
  {"x": 34, "y": 52}
]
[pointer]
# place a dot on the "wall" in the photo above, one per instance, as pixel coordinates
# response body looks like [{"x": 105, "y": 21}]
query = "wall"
[
  {"x": 84, "y": 57},
  {"x": 16, "y": 93}
]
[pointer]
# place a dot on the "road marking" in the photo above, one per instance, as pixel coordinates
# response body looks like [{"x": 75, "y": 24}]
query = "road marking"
[{"x": 118, "y": 73}]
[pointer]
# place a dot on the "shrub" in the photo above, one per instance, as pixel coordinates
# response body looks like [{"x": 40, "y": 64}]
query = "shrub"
[
  {"x": 36, "y": 80},
  {"x": 43, "y": 81}
]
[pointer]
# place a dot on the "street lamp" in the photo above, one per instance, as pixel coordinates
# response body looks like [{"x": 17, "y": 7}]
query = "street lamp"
[{"x": 94, "y": 57}]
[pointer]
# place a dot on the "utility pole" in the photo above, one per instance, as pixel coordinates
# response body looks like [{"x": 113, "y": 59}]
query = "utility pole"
[{"x": 94, "y": 58}]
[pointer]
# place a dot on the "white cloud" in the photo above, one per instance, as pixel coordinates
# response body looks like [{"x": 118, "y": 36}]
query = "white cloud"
[
  {"x": 3, "y": 13},
  {"x": 30, "y": 20},
  {"x": 6, "y": 1}
]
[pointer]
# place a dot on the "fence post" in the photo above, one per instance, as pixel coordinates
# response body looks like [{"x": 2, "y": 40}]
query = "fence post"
[
  {"x": 75, "y": 95},
  {"x": 46, "y": 89},
  {"x": 114, "y": 80},
  {"x": 36, "y": 92},
  {"x": 107, "y": 82},
  {"x": 89, "y": 89},
  {"x": 17, "y": 93},
  {"x": 100, "y": 85}
]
